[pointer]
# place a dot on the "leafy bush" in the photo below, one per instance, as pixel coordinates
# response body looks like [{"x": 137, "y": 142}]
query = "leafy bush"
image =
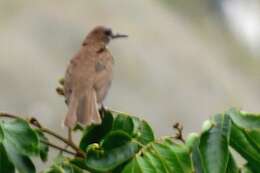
[{"x": 126, "y": 144}]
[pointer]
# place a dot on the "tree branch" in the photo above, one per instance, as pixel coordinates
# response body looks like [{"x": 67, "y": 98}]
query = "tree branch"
[
  {"x": 179, "y": 128},
  {"x": 59, "y": 148}
]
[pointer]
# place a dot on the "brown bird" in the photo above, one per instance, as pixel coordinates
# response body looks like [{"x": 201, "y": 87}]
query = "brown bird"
[{"x": 88, "y": 77}]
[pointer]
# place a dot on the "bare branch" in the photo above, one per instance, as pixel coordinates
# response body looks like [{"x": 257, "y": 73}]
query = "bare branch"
[
  {"x": 179, "y": 134},
  {"x": 59, "y": 148}
]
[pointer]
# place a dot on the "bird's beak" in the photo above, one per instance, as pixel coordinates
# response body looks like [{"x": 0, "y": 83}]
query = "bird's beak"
[{"x": 114, "y": 36}]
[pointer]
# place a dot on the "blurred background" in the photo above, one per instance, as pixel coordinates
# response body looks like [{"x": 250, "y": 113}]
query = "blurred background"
[{"x": 183, "y": 61}]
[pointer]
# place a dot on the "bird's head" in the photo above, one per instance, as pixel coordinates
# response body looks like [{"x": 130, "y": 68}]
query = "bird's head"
[{"x": 101, "y": 34}]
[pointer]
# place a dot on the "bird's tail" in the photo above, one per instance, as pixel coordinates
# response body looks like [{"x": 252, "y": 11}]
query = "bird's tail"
[
  {"x": 71, "y": 117},
  {"x": 83, "y": 110},
  {"x": 87, "y": 111}
]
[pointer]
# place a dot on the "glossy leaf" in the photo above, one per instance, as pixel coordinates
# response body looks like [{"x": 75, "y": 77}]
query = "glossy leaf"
[
  {"x": 210, "y": 153},
  {"x": 254, "y": 137},
  {"x": 5, "y": 165},
  {"x": 42, "y": 147},
  {"x": 138, "y": 129},
  {"x": 95, "y": 133},
  {"x": 144, "y": 133},
  {"x": 214, "y": 145},
  {"x": 21, "y": 162},
  {"x": 249, "y": 169},
  {"x": 125, "y": 123},
  {"x": 117, "y": 144},
  {"x": 244, "y": 119},
  {"x": 1, "y": 134},
  {"x": 196, "y": 157},
  {"x": 241, "y": 143},
  {"x": 19, "y": 135},
  {"x": 19, "y": 141},
  {"x": 105, "y": 161},
  {"x": 161, "y": 157},
  {"x": 115, "y": 139},
  {"x": 63, "y": 165},
  {"x": 192, "y": 140},
  {"x": 232, "y": 166}
]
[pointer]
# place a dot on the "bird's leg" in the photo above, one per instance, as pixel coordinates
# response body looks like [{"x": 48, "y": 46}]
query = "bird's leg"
[
  {"x": 69, "y": 139},
  {"x": 70, "y": 135}
]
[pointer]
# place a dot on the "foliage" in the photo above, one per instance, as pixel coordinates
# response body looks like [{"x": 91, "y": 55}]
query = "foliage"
[{"x": 126, "y": 144}]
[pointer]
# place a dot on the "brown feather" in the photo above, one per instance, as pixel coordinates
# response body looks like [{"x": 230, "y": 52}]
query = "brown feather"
[{"x": 88, "y": 78}]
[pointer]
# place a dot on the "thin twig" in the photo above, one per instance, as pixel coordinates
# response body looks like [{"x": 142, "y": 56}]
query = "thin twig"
[
  {"x": 59, "y": 148},
  {"x": 179, "y": 135},
  {"x": 2, "y": 114},
  {"x": 36, "y": 123}
]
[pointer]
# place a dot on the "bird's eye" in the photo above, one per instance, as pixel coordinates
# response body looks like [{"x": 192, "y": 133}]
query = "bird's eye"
[{"x": 108, "y": 32}]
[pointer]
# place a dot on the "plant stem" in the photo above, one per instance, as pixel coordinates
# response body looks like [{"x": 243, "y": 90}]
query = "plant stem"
[
  {"x": 8, "y": 115},
  {"x": 69, "y": 143},
  {"x": 36, "y": 123},
  {"x": 179, "y": 135},
  {"x": 57, "y": 147}
]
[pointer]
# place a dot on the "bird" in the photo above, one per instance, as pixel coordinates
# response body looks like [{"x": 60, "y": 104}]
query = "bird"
[{"x": 88, "y": 77}]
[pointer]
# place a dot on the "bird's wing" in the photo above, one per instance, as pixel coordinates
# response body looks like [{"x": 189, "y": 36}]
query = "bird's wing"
[
  {"x": 79, "y": 90},
  {"x": 103, "y": 74},
  {"x": 80, "y": 74}
]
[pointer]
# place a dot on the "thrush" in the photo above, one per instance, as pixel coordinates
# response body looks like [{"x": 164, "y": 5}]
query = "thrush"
[{"x": 88, "y": 77}]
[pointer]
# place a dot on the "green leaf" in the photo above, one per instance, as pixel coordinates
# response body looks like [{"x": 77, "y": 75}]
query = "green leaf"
[
  {"x": 254, "y": 138},
  {"x": 232, "y": 166},
  {"x": 213, "y": 146},
  {"x": 95, "y": 133},
  {"x": 196, "y": 157},
  {"x": 63, "y": 164},
  {"x": 134, "y": 166},
  {"x": 54, "y": 169},
  {"x": 191, "y": 140},
  {"x": 115, "y": 139},
  {"x": 241, "y": 143},
  {"x": 19, "y": 135},
  {"x": 79, "y": 162},
  {"x": 244, "y": 119},
  {"x": 114, "y": 142},
  {"x": 70, "y": 168},
  {"x": 5, "y": 165},
  {"x": 135, "y": 127},
  {"x": 21, "y": 162},
  {"x": 249, "y": 123},
  {"x": 1, "y": 134},
  {"x": 247, "y": 168},
  {"x": 161, "y": 157},
  {"x": 125, "y": 123},
  {"x": 171, "y": 163},
  {"x": 105, "y": 161},
  {"x": 207, "y": 125},
  {"x": 144, "y": 132},
  {"x": 43, "y": 148},
  {"x": 182, "y": 155},
  {"x": 64, "y": 168}
]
